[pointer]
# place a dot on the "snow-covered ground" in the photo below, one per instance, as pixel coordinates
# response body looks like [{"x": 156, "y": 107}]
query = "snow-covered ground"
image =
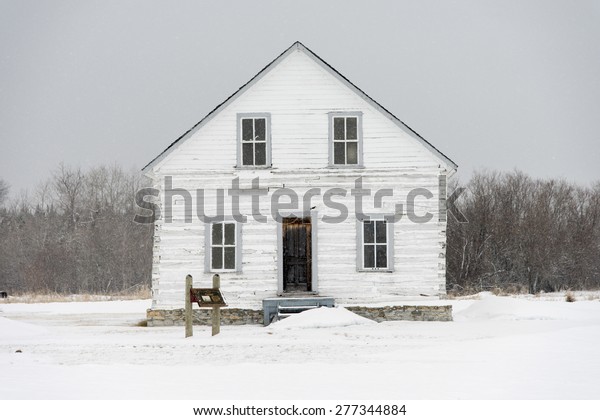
[{"x": 497, "y": 348}]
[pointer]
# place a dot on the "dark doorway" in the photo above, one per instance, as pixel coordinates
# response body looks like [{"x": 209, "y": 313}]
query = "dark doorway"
[{"x": 296, "y": 254}]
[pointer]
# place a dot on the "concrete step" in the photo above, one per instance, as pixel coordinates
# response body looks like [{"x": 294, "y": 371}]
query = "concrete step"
[
  {"x": 285, "y": 311},
  {"x": 280, "y": 307},
  {"x": 296, "y": 309}
]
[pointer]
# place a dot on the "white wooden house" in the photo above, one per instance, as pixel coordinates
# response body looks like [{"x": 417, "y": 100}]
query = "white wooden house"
[{"x": 300, "y": 126}]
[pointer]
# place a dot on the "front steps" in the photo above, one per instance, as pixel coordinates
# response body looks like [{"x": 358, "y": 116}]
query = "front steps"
[{"x": 278, "y": 308}]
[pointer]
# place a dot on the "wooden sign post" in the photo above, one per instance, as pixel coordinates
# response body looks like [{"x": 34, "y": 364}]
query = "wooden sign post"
[
  {"x": 189, "y": 331},
  {"x": 216, "y": 311},
  {"x": 211, "y": 298}
]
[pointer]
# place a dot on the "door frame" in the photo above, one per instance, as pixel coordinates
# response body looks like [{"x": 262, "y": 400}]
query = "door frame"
[{"x": 312, "y": 215}]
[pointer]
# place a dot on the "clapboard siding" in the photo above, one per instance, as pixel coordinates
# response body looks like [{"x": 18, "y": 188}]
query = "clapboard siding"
[
  {"x": 418, "y": 247},
  {"x": 298, "y": 93}
]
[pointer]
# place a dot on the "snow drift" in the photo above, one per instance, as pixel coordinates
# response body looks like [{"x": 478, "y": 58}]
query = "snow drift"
[
  {"x": 490, "y": 307},
  {"x": 322, "y": 318},
  {"x": 18, "y": 330}
]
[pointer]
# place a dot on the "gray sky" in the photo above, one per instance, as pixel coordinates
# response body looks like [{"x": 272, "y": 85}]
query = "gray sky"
[{"x": 499, "y": 85}]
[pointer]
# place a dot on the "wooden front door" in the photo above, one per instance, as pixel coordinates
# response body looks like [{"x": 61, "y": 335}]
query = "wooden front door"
[{"x": 296, "y": 255}]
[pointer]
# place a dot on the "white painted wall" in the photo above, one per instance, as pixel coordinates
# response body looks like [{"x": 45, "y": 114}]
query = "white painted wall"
[{"x": 299, "y": 94}]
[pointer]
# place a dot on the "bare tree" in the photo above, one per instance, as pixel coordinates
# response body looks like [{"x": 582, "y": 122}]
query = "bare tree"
[
  {"x": 76, "y": 234},
  {"x": 4, "y": 189},
  {"x": 525, "y": 235}
]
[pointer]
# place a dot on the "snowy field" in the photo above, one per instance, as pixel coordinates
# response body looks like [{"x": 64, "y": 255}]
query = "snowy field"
[{"x": 497, "y": 348}]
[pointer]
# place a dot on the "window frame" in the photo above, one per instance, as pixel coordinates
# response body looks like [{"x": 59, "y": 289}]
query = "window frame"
[
  {"x": 208, "y": 246},
  {"x": 360, "y": 243},
  {"x": 254, "y": 115},
  {"x": 359, "y": 134}
]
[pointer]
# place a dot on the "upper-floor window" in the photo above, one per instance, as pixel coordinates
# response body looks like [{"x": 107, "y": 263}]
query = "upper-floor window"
[
  {"x": 345, "y": 138},
  {"x": 254, "y": 140}
]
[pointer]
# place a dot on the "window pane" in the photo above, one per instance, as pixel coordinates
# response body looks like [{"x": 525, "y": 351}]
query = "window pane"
[
  {"x": 369, "y": 236},
  {"x": 229, "y": 234},
  {"x": 246, "y": 129},
  {"x": 381, "y": 233},
  {"x": 261, "y": 154},
  {"x": 217, "y": 257},
  {"x": 338, "y": 129},
  {"x": 339, "y": 156},
  {"x": 351, "y": 128},
  {"x": 260, "y": 132},
  {"x": 247, "y": 154},
  {"x": 229, "y": 257},
  {"x": 381, "y": 256},
  {"x": 369, "y": 257},
  {"x": 352, "y": 155},
  {"x": 217, "y": 234}
]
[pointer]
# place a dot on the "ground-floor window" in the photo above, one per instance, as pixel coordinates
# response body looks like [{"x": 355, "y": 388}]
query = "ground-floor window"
[
  {"x": 223, "y": 246},
  {"x": 375, "y": 247}
]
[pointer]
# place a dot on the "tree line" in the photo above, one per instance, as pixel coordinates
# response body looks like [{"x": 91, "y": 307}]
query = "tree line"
[
  {"x": 76, "y": 234},
  {"x": 524, "y": 235}
]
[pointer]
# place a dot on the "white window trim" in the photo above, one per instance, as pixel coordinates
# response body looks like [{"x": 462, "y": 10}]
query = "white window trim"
[
  {"x": 267, "y": 117},
  {"x": 359, "y": 132},
  {"x": 360, "y": 260},
  {"x": 208, "y": 247}
]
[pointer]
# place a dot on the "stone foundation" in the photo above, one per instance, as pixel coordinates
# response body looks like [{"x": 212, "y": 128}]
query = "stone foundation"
[
  {"x": 237, "y": 316},
  {"x": 404, "y": 313},
  {"x": 229, "y": 316}
]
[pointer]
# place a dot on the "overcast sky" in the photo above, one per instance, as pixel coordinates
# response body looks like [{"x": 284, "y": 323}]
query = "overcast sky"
[{"x": 492, "y": 84}]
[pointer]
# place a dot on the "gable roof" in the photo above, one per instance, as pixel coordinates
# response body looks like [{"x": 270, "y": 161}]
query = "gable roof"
[{"x": 299, "y": 46}]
